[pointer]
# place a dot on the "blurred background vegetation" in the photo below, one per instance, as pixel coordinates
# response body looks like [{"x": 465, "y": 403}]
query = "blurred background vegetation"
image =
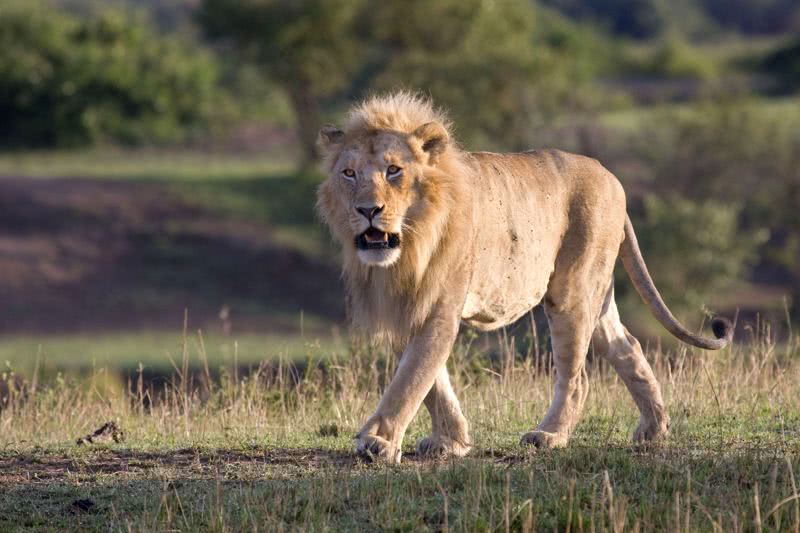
[{"x": 159, "y": 156}]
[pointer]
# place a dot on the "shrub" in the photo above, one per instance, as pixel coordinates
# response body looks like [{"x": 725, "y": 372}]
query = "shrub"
[
  {"x": 739, "y": 155},
  {"x": 65, "y": 81},
  {"x": 784, "y": 65},
  {"x": 676, "y": 58},
  {"x": 694, "y": 250}
]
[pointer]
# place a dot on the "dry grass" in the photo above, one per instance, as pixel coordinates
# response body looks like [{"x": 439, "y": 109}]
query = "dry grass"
[{"x": 271, "y": 450}]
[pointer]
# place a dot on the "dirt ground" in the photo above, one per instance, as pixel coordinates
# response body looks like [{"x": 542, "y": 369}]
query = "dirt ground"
[
  {"x": 79, "y": 255},
  {"x": 191, "y": 462}
]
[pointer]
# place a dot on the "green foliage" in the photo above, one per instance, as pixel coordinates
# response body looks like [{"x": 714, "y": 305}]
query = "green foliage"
[
  {"x": 65, "y": 81},
  {"x": 694, "y": 250},
  {"x": 676, "y": 58},
  {"x": 731, "y": 150},
  {"x": 637, "y": 18},
  {"x": 529, "y": 63},
  {"x": 737, "y": 153},
  {"x": 643, "y": 19},
  {"x": 309, "y": 47},
  {"x": 784, "y": 64},
  {"x": 501, "y": 68},
  {"x": 302, "y": 42}
]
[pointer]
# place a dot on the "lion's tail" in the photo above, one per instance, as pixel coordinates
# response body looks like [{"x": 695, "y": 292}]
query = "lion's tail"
[{"x": 637, "y": 270}]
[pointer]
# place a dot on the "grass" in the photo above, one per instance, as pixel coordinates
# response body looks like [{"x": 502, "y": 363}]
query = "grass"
[
  {"x": 779, "y": 110},
  {"x": 266, "y": 452},
  {"x": 155, "y": 351},
  {"x": 142, "y": 164}
]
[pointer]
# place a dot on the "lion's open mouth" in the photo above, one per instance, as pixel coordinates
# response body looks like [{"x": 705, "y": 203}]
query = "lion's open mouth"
[{"x": 375, "y": 239}]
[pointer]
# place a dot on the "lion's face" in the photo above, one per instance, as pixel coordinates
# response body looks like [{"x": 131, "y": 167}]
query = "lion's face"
[{"x": 374, "y": 187}]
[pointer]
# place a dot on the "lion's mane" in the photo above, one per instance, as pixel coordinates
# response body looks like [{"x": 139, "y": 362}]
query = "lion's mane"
[{"x": 392, "y": 302}]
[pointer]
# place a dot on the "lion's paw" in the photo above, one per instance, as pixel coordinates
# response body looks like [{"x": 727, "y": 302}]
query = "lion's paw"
[
  {"x": 440, "y": 447},
  {"x": 651, "y": 430},
  {"x": 544, "y": 439},
  {"x": 372, "y": 448}
]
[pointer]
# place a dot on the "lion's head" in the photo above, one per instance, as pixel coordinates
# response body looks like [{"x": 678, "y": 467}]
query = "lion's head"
[
  {"x": 392, "y": 182},
  {"x": 379, "y": 174}
]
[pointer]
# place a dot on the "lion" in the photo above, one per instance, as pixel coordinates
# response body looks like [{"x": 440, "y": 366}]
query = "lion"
[{"x": 433, "y": 236}]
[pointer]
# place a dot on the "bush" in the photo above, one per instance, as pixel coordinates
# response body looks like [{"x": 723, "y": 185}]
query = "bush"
[
  {"x": 676, "y": 58},
  {"x": 503, "y": 69},
  {"x": 784, "y": 65},
  {"x": 694, "y": 250},
  {"x": 69, "y": 82},
  {"x": 743, "y": 154}
]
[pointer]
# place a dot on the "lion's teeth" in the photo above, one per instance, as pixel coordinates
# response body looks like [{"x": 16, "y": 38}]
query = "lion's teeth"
[{"x": 375, "y": 235}]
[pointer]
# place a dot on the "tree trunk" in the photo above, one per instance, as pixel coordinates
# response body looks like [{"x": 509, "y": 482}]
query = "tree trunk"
[{"x": 306, "y": 111}]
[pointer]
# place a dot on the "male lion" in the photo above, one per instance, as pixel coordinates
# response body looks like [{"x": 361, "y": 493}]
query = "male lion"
[{"x": 433, "y": 235}]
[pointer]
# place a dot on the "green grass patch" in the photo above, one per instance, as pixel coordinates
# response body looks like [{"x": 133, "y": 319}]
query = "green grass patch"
[
  {"x": 157, "y": 351},
  {"x": 158, "y": 164}
]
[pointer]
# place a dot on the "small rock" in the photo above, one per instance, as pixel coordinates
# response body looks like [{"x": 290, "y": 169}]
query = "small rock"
[{"x": 106, "y": 433}]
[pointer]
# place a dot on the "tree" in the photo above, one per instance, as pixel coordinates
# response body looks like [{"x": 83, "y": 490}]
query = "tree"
[
  {"x": 308, "y": 47},
  {"x": 503, "y": 68},
  {"x": 498, "y": 66},
  {"x": 743, "y": 156},
  {"x": 69, "y": 81}
]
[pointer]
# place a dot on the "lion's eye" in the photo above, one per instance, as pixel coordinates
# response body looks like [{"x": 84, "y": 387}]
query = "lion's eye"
[
  {"x": 349, "y": 173},
  {"x": 393, "y": 170}
]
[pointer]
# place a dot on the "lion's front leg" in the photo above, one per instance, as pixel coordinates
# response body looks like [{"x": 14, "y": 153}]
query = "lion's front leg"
[
  {"x": 381, "y": 437},
  {"x": 450, "y": 431}
]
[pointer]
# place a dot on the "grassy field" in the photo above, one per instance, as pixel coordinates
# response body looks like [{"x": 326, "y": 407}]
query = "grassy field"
[
  {"x": 146, "y": 163},
  {"x": 268, "y": 452}
]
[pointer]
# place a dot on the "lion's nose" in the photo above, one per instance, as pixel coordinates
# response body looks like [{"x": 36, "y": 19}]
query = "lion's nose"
[{"x": 370, "y": 212}]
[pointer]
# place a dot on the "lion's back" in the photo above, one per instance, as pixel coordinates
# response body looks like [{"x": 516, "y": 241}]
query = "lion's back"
[{"x": 525, "y": 205}]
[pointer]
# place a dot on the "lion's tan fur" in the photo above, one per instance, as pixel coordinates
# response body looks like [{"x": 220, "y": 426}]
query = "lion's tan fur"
[
  {"x": 391, "y": 303},
  {"x": 484, "y": 237}
]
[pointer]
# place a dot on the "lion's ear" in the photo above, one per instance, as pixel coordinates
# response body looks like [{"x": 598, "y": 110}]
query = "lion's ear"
[
  {"x": 329, "y": 137},
  {"x": 434, "y": 139}
]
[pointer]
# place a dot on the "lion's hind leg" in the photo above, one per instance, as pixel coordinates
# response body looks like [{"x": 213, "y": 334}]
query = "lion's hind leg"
[
  {"x": 613, "y": 341},
  {"x": 570, "y": 331},
  {"x": 450, "y": 434},
  {"x": 573, "y": 303}
]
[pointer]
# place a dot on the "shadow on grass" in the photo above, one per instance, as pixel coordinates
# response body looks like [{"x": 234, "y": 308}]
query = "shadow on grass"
[
  {"x": 315, "y": 488},
  {"x": 134, "y": 463},
  {"x": 98, "y": 255}
]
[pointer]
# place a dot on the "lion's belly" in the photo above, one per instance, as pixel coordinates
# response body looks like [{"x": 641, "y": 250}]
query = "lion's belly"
[
  {"x": 508, "y": 293},
  {"x": 512, "y": 266},
  {"x": 484, "y": 315},
  {"x": 516, "y": 241}
]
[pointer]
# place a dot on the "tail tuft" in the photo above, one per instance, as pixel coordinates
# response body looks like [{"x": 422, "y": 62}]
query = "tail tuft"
[{"x": 722, "y": 328}]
